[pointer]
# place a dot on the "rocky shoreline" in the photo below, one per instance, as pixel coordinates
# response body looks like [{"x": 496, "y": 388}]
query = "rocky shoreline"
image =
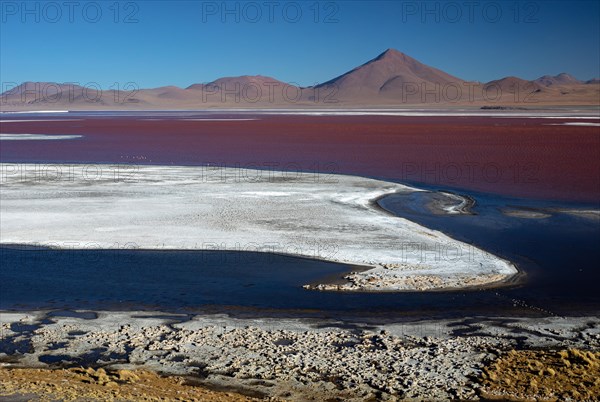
[{"x": 290, "y": 359}]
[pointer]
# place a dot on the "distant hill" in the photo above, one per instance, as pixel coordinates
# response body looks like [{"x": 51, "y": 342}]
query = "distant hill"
[
  {"x": 392, "y": 79},
  {"x": 560, "y": 79}
]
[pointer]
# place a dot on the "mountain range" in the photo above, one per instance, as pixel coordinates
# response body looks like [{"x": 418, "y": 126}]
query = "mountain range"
[{"x": 392, "y": 79}]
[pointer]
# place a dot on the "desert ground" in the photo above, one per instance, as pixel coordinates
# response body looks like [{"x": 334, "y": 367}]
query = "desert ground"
[{"x": 474, "y": 358}]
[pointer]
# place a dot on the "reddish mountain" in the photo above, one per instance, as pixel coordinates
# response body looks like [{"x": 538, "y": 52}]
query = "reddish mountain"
[
  {"x": 560, "y": 79},
  {"x": 56, "y": 96},
  {"x": 389, "y": 75},
  {"x": 251, "y": 89},
  {"x": 390, "y": 79},
  {"x": 244, "y": 80},
  {"x": 512, "y": 83},
  {"x": 33, "y": 92}
]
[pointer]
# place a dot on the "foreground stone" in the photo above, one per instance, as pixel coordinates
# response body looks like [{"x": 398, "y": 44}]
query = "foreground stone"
[{"x": 291, "y": 359}]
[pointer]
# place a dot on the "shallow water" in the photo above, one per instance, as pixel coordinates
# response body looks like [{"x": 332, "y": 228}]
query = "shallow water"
[
  {"x": 517, "y": 156},
  {"x": 557, "y": 253}
]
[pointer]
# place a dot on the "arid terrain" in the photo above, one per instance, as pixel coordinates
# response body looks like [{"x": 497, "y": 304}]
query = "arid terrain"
[
  {"x": 392, "y": 79},
  {"x": 300, "y": 201},
  {"x": 476, "y": 358}
]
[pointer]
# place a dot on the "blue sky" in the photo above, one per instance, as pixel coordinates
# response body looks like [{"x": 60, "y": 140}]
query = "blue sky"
[{"x": 155, "y": 43}]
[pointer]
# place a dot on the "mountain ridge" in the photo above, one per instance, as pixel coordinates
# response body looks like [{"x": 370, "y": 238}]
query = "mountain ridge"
[{"x": 390, "y": 78}]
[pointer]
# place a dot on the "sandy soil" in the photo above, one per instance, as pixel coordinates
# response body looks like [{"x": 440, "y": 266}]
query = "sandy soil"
[
  {"x": 524, "y": 375},
  {"x": 79, "y": 384},
  {"x": 543, "y": 375}
]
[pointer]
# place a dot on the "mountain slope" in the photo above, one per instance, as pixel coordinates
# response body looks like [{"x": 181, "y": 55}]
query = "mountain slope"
[
  {"x": 560, "y": 79},
  {"x": 390, "y": 79},
  {"x": 388, "y": 75}
]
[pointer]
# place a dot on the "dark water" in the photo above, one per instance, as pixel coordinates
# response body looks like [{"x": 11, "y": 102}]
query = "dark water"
[
  {"x": 559, "y": 255},
  {"x": 197, "y": 281}
]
